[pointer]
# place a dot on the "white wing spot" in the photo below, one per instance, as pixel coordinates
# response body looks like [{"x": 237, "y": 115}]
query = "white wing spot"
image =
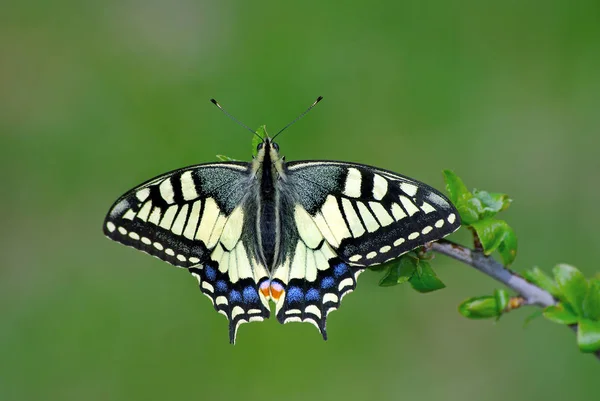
[
  {"x": 382, "y": 215},
  {"x": 439, "y": 223},
  {"x": 347, "y": 282},
  {"x": 170, "y": 252},
  {"x": 168, "y": 217},
  {"x": 122, "y": 230},
  {"x": 188, "y": 188},
  {"x": 353, "y": 182},
  {"x": 314, "y": 310},
  {"x": 355, "y": 225},
  {"x": 166, "y": 190},
  {"x": 333, "y": 216},
  {"x": 155, "y": 216},
  {"x": 385, "y": 249},
  {"x": 397, "y": 212},
  {"x": 380, "y": 187},
  {"x": 371, "y": 255},
  {"x": 180, "y": 220},
  {"x": 181, "y": 258},
  {"x": 158, "y": 246},
  {"x": 329, "y": 297},
  {"x": 194, "y": 259},
  {"x": 145, "y": 211},
  {"x": 355, "y": 258},
  {"x": 143, "y": 194},
  {"x": 426, "y": 230},
  {"x": 367, "y": 217},
  {"x": 192, "y": 221},
  {"x": 134, "y": 236},
  {"x": 408, "y": 189},
  {"x": 408, "y": 205},
  {"x": 111, "y": 227},
  {"x": 221, "y": 300},
  {"x": 237, "y": 310},
  {"x": 412, "y": 236},
  {"x": 399, "y": 242},
  {"x": 451, "y": 218},
  {"x": 209, "y": 217},
  {"x": 146, "y": 240},
  {"x": 129, "y": 215},
  {"x": 208, "y": 287},
  {"x": 427, "y": 208}
]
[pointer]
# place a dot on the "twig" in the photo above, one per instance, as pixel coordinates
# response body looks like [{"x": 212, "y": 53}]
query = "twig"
[{"x": 532, "y": 294}]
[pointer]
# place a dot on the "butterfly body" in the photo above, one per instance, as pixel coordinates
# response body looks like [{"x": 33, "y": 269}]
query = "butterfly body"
[{"x": 297, "y": 234}]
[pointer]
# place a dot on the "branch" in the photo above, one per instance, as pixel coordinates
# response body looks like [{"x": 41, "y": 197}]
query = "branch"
[{"x": 532, "y": 294}]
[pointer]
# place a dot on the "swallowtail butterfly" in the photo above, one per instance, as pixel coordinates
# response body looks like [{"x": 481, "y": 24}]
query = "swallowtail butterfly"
[{"x": 296, "y": 233}]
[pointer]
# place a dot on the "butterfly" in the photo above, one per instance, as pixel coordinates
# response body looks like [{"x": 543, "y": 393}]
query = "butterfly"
[{"x": 294, "y": 233}]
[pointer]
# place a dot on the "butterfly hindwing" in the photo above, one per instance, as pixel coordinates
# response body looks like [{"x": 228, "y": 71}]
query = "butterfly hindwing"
[
  {"x": 345, "y": 218},
  {"x": 194, "y": 218}
]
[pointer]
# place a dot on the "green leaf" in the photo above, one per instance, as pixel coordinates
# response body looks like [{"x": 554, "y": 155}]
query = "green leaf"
[
  {"x": 484, "y": 307},
  {"x": 560, "y": 314},
  {"x": 542, "y": 280},
  {"x": 502, "y": 299},
  {"x": 573, "y": 286},
  {"x": 424, "y": 278},
  {"x": 491, "y": 202},
  {"x": 591, "y": 303},
  {"x": 400, "y": 272},
  {"x": 456, "y": 188},
  {"x": 497, "y": 235},
  {"x": 224, "y": 158},
  {"x": 588, "y": 335},
  {"x": 262, "y": 133},
  {"x": 508, "y": 248}
]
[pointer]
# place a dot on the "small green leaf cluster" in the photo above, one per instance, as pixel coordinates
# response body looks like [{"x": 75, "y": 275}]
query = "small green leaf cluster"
[
  {"x": 477, "y": 210},
  {"x": 579, "y": 302},
  {"x": 414, "y": 269},
  {"x": 489, "y": 306}
]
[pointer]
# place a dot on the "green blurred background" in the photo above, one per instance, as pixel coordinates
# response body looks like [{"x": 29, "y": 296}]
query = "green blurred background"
[{"x": 96, "y": 97}]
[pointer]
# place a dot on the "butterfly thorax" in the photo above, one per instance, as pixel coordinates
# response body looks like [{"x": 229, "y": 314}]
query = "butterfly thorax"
[{"x": 269, "y": 170}]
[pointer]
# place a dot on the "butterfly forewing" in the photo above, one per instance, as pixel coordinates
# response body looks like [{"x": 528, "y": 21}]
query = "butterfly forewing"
[
  {"x": 370, "y": 215},
  {"x": 195, "y": 218}
]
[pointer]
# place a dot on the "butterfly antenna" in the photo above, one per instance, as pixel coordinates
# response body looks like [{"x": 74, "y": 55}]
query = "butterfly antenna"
[
  {"x": 300, "y": 116},
  {"x": 234, "y": 119}
]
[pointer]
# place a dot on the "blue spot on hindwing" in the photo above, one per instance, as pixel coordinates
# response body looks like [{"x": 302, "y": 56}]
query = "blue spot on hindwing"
[
  {"x": 250, "y": 295},
  {"x": 294, "y": 294},
  {"x": 313, "y": 295},
  {"x": 235, "y": 296},
  {"x": 340, "y": 269},
  {"x": 210, "y": 272},
  {"x": 327, "y": 282},
  {"x": 221, "y": 286}
]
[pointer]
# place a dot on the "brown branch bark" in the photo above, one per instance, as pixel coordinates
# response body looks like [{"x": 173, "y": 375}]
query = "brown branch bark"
[{"x": 532, "y": 294}]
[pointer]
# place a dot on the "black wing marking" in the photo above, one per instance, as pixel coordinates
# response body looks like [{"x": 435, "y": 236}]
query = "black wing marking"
[
  {"x": 195, "y": 218},
  {"x": 370, "y": 215}
]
